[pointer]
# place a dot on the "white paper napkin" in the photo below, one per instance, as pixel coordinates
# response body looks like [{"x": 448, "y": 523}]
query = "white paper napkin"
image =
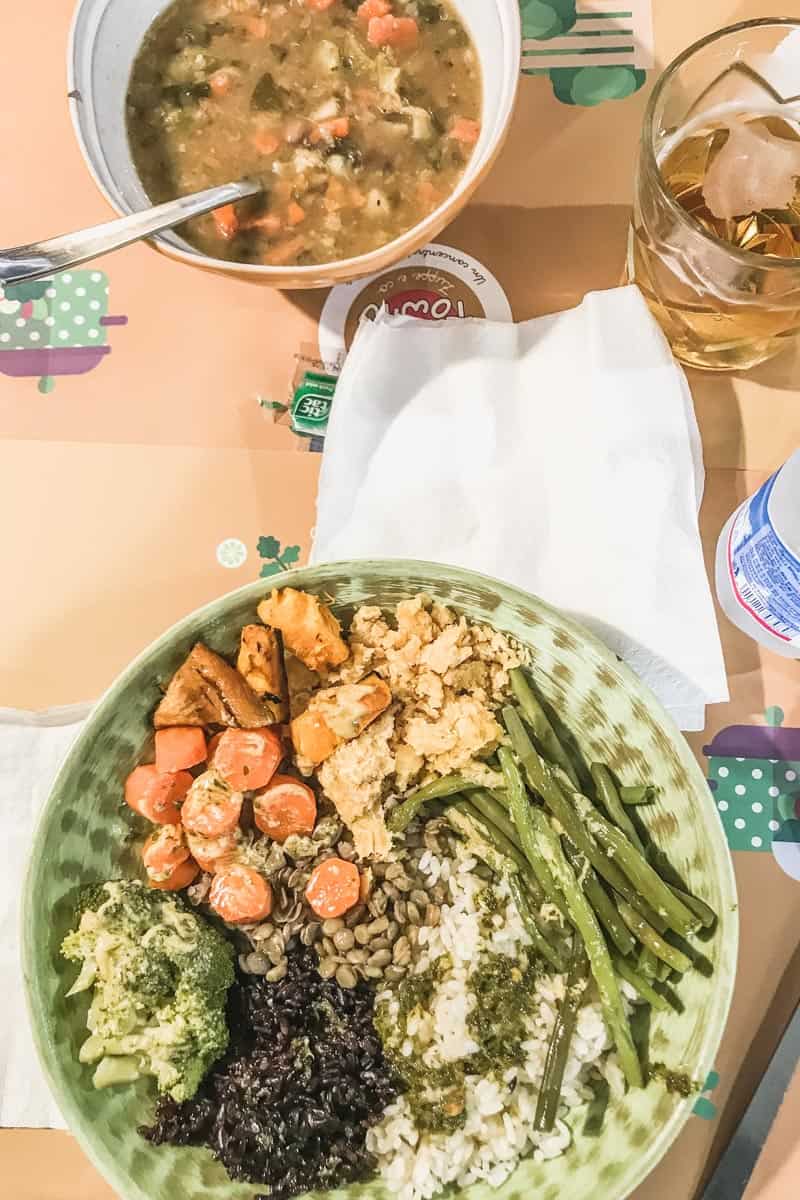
[
  {"x": 32, "y": 746},
  {"x": 561, "y": 455}
]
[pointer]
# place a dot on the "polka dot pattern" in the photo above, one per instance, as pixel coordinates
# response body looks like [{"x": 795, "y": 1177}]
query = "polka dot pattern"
[{"x": 67, "y": 316}]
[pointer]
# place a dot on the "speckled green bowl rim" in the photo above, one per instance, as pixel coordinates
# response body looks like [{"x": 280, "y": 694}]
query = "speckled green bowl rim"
[{"x": 315, "y": 578}]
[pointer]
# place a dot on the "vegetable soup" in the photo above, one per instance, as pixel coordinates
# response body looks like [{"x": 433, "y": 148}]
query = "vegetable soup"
[{"x": 357, "y": 117}]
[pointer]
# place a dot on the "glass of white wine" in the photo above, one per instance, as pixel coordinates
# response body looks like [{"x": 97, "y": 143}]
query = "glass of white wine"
[{"x": 715, "y": 236}]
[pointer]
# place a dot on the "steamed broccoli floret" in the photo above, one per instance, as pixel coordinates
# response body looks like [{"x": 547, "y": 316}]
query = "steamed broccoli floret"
[{"x": 160, "y": 975}]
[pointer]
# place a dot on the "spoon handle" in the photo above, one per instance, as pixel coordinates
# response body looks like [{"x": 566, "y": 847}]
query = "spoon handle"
[{"x": 39, "y": 259}]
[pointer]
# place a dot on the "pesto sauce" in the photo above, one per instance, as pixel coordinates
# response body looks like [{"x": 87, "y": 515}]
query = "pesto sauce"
[
  {"x": 504, "y": 990},
  {"x": 677, "y": 1082}
]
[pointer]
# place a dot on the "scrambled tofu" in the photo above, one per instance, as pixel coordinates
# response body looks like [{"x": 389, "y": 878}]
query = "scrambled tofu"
[
  {"x": 447, "y": 678},
  {"x": 310, "y": 630},
  {"x": 353, "y": 779}
]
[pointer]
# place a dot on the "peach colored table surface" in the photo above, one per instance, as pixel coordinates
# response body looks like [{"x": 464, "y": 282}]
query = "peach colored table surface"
[{"x": 120, "y": 485}]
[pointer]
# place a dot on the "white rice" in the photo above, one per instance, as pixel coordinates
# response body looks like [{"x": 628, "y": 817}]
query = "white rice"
[{"x": 499, "y": 1112}]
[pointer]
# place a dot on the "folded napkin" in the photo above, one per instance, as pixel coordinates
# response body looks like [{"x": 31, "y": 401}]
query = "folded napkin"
[
  {"x": 561, "y": 455},
  {"x": 32, "y": 746}
]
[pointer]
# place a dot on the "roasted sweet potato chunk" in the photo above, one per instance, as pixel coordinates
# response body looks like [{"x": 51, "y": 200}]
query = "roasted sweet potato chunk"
[
  {"x": 310, "y": 630},
  {"x": 337, "y": 715},
  {"x": 207, "y": 690},
  {"x": 261, "y": 664}
]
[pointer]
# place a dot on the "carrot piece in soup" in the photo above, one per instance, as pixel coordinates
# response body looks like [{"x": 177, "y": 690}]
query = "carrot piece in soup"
[
  {"x": 257, "y": 27},
  {"x": 156, "y": 796},
  {"x": 400, "y": 32},
  {"x": 335, "y": 127},
  {"x": 333, "y": 888},
  {"x": 220, "y": 83},
  {"x": 266, "y": 142},
  {"x": 248, "y": 758},
  {"x": 179, "y": 748},
  {"x": 466, "y": 131},
  {"x": 240, "y": 895},
  {"x": 226, "y": 221},
  {"x": 295, "y": 214},
  {"x": 373, "y": 8},
  {"x": 285, "y": 807}
]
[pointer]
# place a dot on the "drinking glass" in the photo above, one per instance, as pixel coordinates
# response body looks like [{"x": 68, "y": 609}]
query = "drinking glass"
[{"x": 715, "y": 237}]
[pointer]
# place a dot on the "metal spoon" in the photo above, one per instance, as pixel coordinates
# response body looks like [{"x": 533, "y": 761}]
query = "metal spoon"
[{"x": 39, "y": 259}]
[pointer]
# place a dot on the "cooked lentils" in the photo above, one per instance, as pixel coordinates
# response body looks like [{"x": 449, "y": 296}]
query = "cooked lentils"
[
  {"x": 305, "y": 1076},
  {"x": 375, "y": 940}
]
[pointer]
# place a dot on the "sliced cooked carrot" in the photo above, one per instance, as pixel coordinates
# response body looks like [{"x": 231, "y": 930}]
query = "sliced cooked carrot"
[
  {"x": 284, "y": 252},
  {"x": 400, "y": 32},
  {"x": 156, "y": 796},
  {"x": 285, "y": 807},
  {"x": 213, "y": 742},
  {"x": 180, "y": 877},
  {"x": 239, "y": 895},
  {"x": 164, "y": 850},
  {"x": 215, "y": 854},
  {"x": 211, "y": 808},
  {"x": 295, "y": 214},
  {"x": 464, "y": 130},
  {"x": 220, "y": 83},
  {"x": 333, "y": 888},
  {"x": 226, "y": 221},
  {"x": 265, "y": 141},
  {"x": 373, "y": 8},
  {"x": 248, "y": 758},
  {"x": 180, "y": 747},
  {"x": 335, "y": 127}
]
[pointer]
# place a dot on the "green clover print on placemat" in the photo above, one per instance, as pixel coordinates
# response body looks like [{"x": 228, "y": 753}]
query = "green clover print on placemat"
[
  {"x": 277, "y": 560},
  {"x": 592, "y": 50}
]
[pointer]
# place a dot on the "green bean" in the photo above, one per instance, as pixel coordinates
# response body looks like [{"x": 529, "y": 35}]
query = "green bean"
[
  {"x": 553, "y": 787},
  {"x": 560, "y": 1039},
  {"x": 465, "y": 822},
  {"x": 649, "y": 938},
  {"x": 645, "y": 990},
  {"x": 601, "y": 902},
  {"x": 518, "y": 800},
  {"x": 586, "y": 924},
  {"x": 704, "y": 912},
  {"x": 493, "y": 811},
  {"x": 405, "y": 813},
  {"x": 638, "y": 794},
  {"x": 644, "y": 879},
  {"x": 539, "y": 722},
  {"x": 647, "y": 963},
  {"x": 540, "y": 942},
  {"x": 491, "y": 834},
  {"x": 608, "y": 796}
]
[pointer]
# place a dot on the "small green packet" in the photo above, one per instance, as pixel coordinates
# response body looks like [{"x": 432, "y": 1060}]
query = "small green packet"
[{"x": 310, "y": 401}]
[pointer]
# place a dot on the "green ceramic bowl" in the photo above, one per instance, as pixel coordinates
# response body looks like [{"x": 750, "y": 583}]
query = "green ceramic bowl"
[{"x": 85, "y": 834}]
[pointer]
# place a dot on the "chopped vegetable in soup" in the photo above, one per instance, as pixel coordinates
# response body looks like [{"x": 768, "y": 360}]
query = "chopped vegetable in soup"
[{"x": 357, "y": 116}]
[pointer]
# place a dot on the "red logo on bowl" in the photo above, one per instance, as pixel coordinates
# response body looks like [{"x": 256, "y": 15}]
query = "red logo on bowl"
[{"x": 426, "y": 305}]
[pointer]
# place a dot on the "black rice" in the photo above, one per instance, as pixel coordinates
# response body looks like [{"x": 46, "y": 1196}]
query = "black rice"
[{"x": 305, "y": 1076}]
